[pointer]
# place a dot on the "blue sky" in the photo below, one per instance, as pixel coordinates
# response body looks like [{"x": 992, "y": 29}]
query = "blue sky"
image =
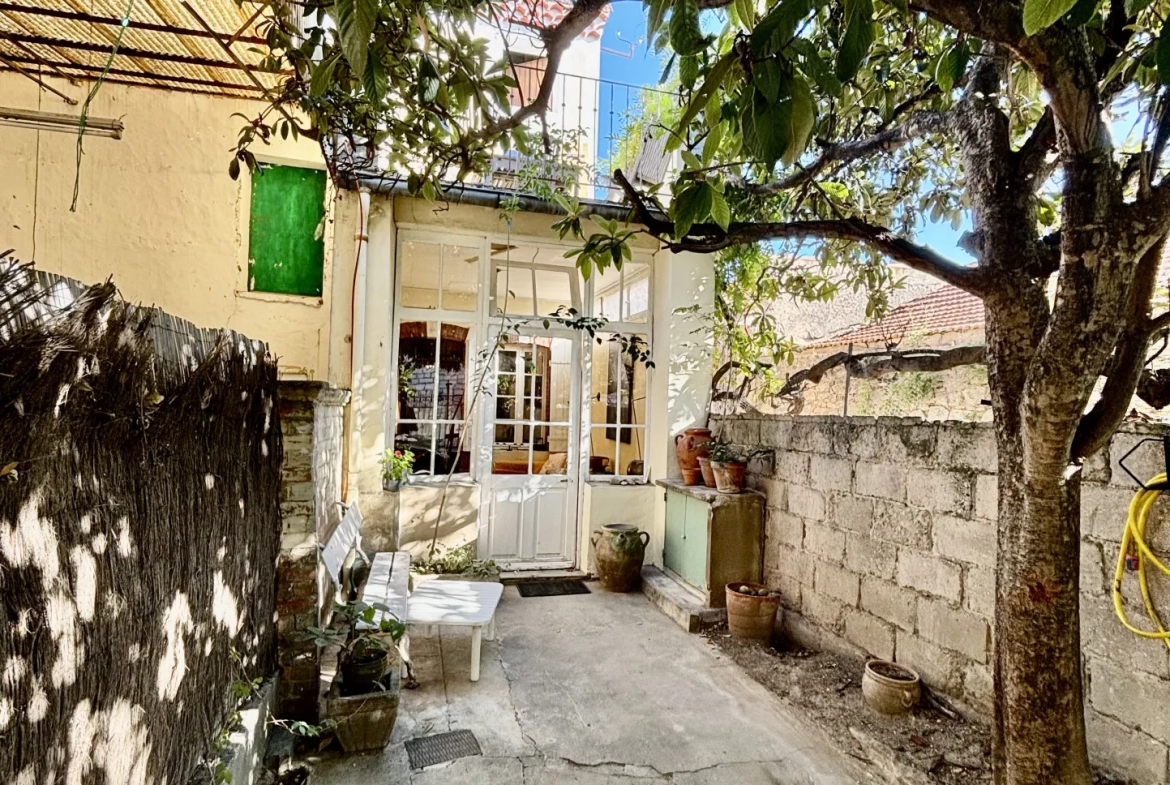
[{"x": 627, "y": 25}]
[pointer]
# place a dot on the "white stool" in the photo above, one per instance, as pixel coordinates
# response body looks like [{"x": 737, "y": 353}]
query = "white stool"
[{"x": 440, "y": 603}]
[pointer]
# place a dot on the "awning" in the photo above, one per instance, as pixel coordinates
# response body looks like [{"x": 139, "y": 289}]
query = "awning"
[{"x": 202, "y": 46}]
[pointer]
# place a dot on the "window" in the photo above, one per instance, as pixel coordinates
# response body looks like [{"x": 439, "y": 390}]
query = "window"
[
  {"x": 286, "y": 231},
  {"x": 528, "y": 71},
  {"x": 532, "y": 282},
  {"x": 532, "y": 402},
  {"x": 433, "y": 383},
  {"x": 623, "y": 295},
  {"x": 617, "y": 437},
  {"x": 438, "y": 296}
]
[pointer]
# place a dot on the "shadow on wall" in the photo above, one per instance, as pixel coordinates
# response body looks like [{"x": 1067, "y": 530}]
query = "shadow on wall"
[
  {"x": 419, "y": 509},
  {"x": 139, "y": 528}
]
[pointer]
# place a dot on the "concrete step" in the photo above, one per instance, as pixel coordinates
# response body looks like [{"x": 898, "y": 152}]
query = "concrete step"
[
  {"x": 511, "y": 577},
  {"x": 677, "y": 602}
]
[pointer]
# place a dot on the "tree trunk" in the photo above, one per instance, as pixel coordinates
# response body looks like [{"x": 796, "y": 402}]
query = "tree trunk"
[{"x": 1040, "y": 730}]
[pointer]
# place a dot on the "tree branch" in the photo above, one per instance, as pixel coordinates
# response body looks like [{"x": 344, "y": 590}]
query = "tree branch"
[
  {"x": 918, "y": 125},
  {"x": 556, "y": 40},
  {"x": 874, "y": 364},
  {"x": 1125, "y": 368},
  {"x": 1032, "y": 157},
  {"x": 708, "y": 238}
]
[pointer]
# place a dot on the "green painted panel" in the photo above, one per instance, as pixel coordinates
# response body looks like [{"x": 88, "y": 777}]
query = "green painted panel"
[
  {"x": 693, "y": 568},
  {"x": 673, "y": 548},
  {"x": 286, "y": 244}
]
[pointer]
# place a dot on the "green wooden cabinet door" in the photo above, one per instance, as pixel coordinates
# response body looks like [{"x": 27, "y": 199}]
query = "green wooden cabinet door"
[
  {"x": 672, "y": 551},
  {"x": 693, "y": 568}
]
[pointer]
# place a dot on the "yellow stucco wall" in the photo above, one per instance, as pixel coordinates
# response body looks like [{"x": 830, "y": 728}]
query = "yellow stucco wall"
[{"x": 157, "y": 211}]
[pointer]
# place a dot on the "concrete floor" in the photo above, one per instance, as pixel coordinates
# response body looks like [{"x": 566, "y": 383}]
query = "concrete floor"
[{"x": 592, "y": 690}]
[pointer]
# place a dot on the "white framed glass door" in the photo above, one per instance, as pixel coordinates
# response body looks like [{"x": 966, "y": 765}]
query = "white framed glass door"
[{"x": 531, "y": 456}]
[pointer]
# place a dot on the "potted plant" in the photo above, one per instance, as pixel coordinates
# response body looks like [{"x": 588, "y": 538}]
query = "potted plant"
[
  {"x": 729, "y": 466},
  {"x": 396, "y": 466},
  {"x": 363, "y": 700}
]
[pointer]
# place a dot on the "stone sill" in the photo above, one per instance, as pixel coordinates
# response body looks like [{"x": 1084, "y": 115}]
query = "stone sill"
[{"x": 702, "y": 492}]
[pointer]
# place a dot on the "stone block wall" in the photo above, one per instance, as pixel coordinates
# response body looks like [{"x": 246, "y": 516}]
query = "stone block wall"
[
  {"x": 881, "y": 537},
  {"x": 311, "y": 421}
]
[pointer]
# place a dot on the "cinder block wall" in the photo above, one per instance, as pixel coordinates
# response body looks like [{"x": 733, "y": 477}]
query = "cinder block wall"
[
  {"x": 881, "y": 538},
  {"x": 311, "y": 422}
]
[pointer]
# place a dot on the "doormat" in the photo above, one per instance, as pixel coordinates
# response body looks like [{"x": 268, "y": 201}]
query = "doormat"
[
  {"x": 552, "y": 588},
  {"x": 442, "y": 747}
]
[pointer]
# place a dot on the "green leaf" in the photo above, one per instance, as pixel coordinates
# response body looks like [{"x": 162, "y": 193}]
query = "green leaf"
[
  {"x": 355, "y": 24},
  {"x": 1082, "y": 12},
  {"x": 428, "y": 80},
  {"x": 688, "y": 71},
  {"x": 951, "y": 66},
  {"x": 234, "y": 169},
  {"x": 856, "y": 39},
  {"x": 700, "y": 97},
  {"x": 778, "y": 26},
  {"x": 769, "y": 77},
  {"x": 1041, "y": 14},
  {"x": 802, "y": 119},
  {"x": 1163, "y": 54},
  {"x": 711, "y": 144},
  {"x": 374, "y": 81},
  {"x": 656, "y": 12},
  {"x": 686, "y": 36},
  {"x": 815, "y": 67},
  {"x": 321, "y": 77},
  {"x": 691, "y": 160},
  {"x": 720, "y": 211},
  {"x": 767, "y": 127},
  {"x": 691, "y": 206},
  {"x": 745, "y": 13},
  {"x": 1134, "y": 7}
]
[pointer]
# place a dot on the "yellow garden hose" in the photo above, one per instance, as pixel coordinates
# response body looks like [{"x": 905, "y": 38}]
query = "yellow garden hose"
[{"x": 1133, "y": 545}]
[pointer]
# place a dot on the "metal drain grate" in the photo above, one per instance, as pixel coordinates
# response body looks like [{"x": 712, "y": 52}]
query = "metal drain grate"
[
  {"x": 442, "y": 747},
  {"x": 552, "y": 588}
]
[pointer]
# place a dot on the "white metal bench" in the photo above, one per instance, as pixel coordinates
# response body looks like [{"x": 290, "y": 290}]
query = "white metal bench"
[{"x": 435, "y": 603}]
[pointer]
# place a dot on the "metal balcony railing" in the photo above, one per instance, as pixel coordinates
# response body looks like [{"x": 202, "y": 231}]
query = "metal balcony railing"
[{"x": 594, "y": 126}]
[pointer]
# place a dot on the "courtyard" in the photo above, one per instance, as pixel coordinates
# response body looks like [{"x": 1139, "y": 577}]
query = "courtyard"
[{"x": 592, "y": 689}]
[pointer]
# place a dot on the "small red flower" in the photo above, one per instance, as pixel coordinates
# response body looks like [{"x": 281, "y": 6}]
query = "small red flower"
[{"x": 398, "y": 453}]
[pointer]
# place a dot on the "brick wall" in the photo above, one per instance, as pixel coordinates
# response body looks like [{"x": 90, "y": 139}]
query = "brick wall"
[
  {"x": 881, "y": 538},
  {"x": 311, "y": 420}
]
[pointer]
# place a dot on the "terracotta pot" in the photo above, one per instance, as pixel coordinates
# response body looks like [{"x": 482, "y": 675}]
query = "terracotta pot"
[
  {"x": 365, "y": 721},
  {"x": 618, "y": 551},
  {"x": 890, "y": 688},
  {"x": 729, "y": 476},
  {"x": 688, "y": 446},
  {"x": 707, "y": 472},
  {"x": 750, "y": 616}
]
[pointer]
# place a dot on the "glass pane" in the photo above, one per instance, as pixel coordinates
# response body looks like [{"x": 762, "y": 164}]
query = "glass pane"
[
  {"x": 636, "y": 292},
  {"x": 514, "y": 291},
  {"x": 416, "y": 370},
  {"x": 449, "y": 453},
  {"x": 555, "y": 395},
  {"x": 634, "y": 390},
  {"x": 602, "y": 451},
  {"x": 460, "y": 277},
  {"x": 632, "y": 442},
  {"x": 419, "y": 439},
  {"x": 510, "y": 455},
  {"x": 619, "y": 383},
  {"x": 507, "y": 361},
  {"x": 554, "y": 290},
  {"x": 420, "y": 274},
  {"x": 453, "y": 372},
  {"x": 551, "y": 455},
  {"x": 607, "y": 295}
]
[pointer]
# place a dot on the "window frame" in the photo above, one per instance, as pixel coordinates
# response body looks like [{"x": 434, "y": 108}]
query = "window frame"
[
  {"x": 644, "y": 329},
  {"x": 475, "y": 323}
]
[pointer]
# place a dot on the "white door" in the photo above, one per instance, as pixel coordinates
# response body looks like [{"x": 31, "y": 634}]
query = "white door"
[{"x": 531, "y": 456}]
